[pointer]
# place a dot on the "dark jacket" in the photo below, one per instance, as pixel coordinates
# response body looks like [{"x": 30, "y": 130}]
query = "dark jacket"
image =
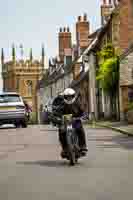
[{"x": 63, "y": 108}]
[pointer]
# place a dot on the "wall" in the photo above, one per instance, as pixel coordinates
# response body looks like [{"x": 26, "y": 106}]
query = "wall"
[
  {"x": 126, "y": 81},
  {"x": 92, "y": 86},
  {"x": 126, "y": 23}
]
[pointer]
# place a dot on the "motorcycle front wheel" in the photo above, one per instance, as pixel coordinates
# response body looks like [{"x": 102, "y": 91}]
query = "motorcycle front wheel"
[{"x": 72, "y": 140}]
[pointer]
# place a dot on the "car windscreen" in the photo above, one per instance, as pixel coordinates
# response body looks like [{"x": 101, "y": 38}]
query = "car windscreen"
[{"x": 9, "y": 98}]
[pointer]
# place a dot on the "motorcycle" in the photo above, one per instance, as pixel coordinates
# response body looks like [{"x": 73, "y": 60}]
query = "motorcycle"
[{"x": 73, "y": 148}]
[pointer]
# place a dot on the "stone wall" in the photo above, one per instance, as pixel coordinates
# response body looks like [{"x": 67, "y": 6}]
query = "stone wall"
[
  {"x": 126, "y": 81},
  {"x": 126, "y": 70}
]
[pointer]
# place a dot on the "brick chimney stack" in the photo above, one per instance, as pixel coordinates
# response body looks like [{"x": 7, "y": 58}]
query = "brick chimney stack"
[
  {"x": 82, "y": 33},
  {"x": 65, "y": 42},
  {"x": 106, "y": 9},
  {"x": 126, "y": 23}
]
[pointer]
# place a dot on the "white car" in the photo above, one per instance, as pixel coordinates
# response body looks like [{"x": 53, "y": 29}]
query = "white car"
[{"x": 12, "y": 109}]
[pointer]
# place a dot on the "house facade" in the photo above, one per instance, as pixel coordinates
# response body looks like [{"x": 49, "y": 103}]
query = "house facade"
[
  {"x": 53, "y": 85},
  {"x": 126, "y": 81}
]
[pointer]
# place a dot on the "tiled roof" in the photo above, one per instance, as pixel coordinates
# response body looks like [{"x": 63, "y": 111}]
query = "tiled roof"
[
  {"x": 77, "y": 82},
  {"x": 57, "y": 74}
]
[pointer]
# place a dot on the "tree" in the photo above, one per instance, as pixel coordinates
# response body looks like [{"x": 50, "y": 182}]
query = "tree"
[{"x": 108, "y": 74}]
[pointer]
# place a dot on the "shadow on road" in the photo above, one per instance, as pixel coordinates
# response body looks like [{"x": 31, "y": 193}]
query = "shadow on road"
[
  {"x": 47, "y": 163},
  {"x": 48, "y": 130}
]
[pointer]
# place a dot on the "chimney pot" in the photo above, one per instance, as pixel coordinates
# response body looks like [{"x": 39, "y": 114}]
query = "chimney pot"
[
  {"x": 60, "y": 30},
  {"x": 68, "y": 30},
  {"x": 110, "y": 2},
  {"x": 64, "y": 29},
  {"x": 85, "y": 17},
  {"x": 79, "y": 18}
]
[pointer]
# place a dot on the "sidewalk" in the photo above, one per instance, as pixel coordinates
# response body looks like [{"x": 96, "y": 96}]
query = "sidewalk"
[{"x": 122, "y": 127}]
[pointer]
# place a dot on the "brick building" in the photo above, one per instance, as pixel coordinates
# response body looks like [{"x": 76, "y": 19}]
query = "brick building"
[{"x": 65, "y": 43}]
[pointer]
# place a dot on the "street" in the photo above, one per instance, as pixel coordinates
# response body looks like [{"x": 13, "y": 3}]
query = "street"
[{"x": 31, "y": 167}]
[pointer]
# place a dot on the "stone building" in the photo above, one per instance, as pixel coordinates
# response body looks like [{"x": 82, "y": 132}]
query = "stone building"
[
  {"x": 117, "y": 28},
  {"x": 126, "y": 81},
  {"x": 22, "y": 76}
]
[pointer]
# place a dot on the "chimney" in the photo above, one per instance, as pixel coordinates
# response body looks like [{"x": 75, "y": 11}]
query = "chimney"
[
  {"x": 85, "y": 17},
  {"x": 106, "y": 9},
  {"x": 126, "y": 23},
  {"x": 65, "y": 42},
  {"x": 82, "y": 33},
  {"x": 79, "y": 18}
]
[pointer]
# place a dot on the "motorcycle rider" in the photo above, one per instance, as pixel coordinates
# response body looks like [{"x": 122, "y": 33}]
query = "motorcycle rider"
[{"x": 70, "y": 105}]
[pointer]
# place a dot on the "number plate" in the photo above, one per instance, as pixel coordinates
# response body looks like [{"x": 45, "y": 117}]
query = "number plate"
[{"x": 7, "y": 108}]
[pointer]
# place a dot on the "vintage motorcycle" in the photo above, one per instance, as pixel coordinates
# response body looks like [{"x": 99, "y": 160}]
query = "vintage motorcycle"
[{"x": 73, "y": 150}]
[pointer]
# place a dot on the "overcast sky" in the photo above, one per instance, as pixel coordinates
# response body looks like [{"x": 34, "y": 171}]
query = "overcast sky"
[{"x": 33, "y": 22}]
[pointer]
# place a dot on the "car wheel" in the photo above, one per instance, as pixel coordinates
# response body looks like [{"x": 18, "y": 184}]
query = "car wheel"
[
  {"x": 17, "y": 125},
  {"x": 24, "y": 124}
]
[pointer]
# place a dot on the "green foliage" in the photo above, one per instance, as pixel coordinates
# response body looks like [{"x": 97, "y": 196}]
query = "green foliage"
[
  {"x": 108, "y": 73},
  {"x": 130, "y": 106},
  {"x": 107, "y": 52},
  {"x": 33, "y": 117}
]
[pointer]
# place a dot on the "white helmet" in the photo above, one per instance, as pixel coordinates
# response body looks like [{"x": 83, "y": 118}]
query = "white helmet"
[{"x": 69, "y": 95}]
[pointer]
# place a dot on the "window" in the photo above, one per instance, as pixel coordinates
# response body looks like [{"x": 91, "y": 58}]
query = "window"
[
  {"x": 130, "y": 94},
  {"x": 9, "y": 98},
  {"x": 29, "y": 85},
  {"x": 17, "y": 84}
]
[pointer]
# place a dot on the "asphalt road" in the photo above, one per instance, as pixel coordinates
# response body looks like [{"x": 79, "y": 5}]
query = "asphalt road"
[{"x": 31, "y": 167}]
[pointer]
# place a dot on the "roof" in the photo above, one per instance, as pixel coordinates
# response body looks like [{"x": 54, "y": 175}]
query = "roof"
[
  {"x": 57, "y": 74},
  {"x": 75, "y": 83}
]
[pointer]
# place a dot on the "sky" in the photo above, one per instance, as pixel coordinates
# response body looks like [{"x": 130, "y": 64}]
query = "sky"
[{"x": 33, "y": 22}]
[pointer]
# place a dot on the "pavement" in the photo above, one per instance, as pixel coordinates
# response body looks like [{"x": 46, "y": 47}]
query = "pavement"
[
  {"x": 122, "y": 127},
  {"x": 31, "y": 167}
]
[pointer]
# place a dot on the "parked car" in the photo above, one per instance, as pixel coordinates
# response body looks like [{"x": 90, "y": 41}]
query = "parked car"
[{"x": 12, "y": 109}]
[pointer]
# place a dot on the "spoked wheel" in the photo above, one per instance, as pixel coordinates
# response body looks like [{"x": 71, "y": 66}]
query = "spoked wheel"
[
  {"x": 72, "y": 141},
  {"x": 72, "y": 158}
]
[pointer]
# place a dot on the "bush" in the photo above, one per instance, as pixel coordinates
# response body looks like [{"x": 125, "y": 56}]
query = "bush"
[
  {"x": 130, "y": 106},
  {"x": 33, "y": 117}
]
